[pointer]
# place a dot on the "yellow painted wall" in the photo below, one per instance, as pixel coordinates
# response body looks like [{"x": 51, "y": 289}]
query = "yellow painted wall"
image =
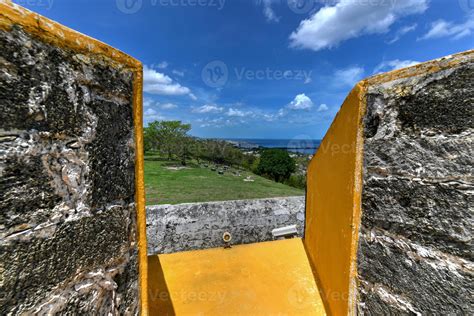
[
  {"x": 333, "y": 205},
  {"x": 269, "y": 278}
]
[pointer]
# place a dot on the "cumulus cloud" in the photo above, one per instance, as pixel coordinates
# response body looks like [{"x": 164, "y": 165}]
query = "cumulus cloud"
[
  {"x": 394, "y": 64},
  {"x": 208, "y": 108},
  {"x": 348, "y": 19},
  {"x": 323, "y": 107},
  {"x": 348, "y": 76},
  {"x": 300, "y": 102},
  {"x": 155, "y": 82},
  {"x": 401, "y": 32},
  {"x": 442, "y": 28}
]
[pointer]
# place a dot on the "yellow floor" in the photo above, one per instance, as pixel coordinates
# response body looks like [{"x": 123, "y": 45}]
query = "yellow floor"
[{"x": 269, "y": 278}]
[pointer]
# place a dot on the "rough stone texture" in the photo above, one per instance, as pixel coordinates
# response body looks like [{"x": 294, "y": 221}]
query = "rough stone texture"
[
  {"x": 67, "y": 213},
  {"x": 416, "y": 250},
  {"x": 191, "y": 226}
]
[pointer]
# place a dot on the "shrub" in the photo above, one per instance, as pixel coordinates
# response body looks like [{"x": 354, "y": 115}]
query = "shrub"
[{"x": 276, "y": 164}]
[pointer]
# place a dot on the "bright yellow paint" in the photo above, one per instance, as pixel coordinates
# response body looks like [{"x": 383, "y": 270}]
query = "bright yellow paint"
[
  {"x": 269, "y": 278},
  {"x": 59, "y": 35},
  {"x": 333, "y": 205}
]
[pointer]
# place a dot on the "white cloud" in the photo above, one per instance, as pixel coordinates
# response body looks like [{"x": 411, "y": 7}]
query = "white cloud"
[
  {"x": 168, "y": 106},
  {"x": 219, "y": 122},
  {"x": 155, "y": 82},
  {"x": 178, "y": 73},
  {"x": 442, "y": 28},
  {"x": 394, "y": 64},
  {"x": 349, "y": 76},
  {"x": 151, "y": 115},
  {"x": 236, "y": 112},
  {"x": 268, "y": 11},
  {"x": 301, "y": 102},
  {"x": 323, "y": 107},
  {"x": 208, "y": 108},
  {"x": 162, "y": 65},
  {"x": 347, "y": 19},
  {"x": 148, "y": 102},
  {"x": 149, "y": 112},
  {"x": 401, "y": 32}
]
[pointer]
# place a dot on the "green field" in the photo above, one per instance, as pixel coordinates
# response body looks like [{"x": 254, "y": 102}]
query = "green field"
[{"x": 199, "y": 184}]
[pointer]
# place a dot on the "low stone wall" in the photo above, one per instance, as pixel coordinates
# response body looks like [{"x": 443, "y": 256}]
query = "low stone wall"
[{"x": 191, "y": 226}]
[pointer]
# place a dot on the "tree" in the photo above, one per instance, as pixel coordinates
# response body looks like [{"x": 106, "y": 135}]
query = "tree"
[
  {"x": 169, "y": 137},
  {"x": 276, "y": 164}
]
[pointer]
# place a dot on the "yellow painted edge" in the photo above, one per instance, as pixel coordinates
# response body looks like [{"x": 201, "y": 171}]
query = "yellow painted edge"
[
  {"x": 140, "y": 190},
  {"x": 62, "y": 36},
  {"x": 357, "y": 199},
  {"x": 59, "y": 35},
  {"x": 422, "y": 68}
]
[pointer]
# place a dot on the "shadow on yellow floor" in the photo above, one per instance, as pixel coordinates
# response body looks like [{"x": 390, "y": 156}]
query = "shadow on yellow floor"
[{"x": 269, "y": 278}]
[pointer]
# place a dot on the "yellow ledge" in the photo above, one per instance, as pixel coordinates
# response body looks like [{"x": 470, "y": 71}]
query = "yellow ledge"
[{"x": 269, "y": 278}]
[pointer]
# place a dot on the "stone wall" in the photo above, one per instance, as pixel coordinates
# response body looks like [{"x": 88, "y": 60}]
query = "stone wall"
[
  {"x": 67, "y": 159},
  {"x": 191, "y": 226},
  {"x": 416, "y": 249}
]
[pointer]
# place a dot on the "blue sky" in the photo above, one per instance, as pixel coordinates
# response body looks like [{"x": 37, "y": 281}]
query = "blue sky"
[{"x": 264, "y": 68}]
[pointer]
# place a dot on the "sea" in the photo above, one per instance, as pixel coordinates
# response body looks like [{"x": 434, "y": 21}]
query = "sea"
[{"x": 302, "y": 146}]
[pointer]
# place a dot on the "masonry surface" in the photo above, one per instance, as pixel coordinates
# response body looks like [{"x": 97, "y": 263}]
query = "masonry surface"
[
  {"x": 68, "y": 221},
  {"x": 193, "y": 226},
  {"x": 415, "y": 249}
]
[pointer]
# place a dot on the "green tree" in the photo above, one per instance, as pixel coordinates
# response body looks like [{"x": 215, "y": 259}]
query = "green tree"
[
  {"x": 276, "y": 164},
  {"x": 169, "y": 137}
]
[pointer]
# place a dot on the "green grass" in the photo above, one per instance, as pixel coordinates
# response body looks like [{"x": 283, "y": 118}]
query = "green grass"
[{"x": 198, "y": 184}]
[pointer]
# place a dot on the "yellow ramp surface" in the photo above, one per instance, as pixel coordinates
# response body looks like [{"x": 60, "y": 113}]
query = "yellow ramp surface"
[{"x": 269, "y": 278}]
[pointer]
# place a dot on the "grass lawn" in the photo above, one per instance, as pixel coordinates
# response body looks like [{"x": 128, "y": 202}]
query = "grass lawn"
[{"x": 199, "y": 184}]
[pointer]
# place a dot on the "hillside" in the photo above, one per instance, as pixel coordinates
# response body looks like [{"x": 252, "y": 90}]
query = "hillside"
[{"x": 166, "y": 183}]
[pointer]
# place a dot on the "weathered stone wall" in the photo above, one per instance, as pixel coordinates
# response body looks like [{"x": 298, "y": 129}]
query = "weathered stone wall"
[
  {"x": 416, "y": 238},
  {"x": 191, "y": 226},
  {"x": 68, "y": 221}
]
